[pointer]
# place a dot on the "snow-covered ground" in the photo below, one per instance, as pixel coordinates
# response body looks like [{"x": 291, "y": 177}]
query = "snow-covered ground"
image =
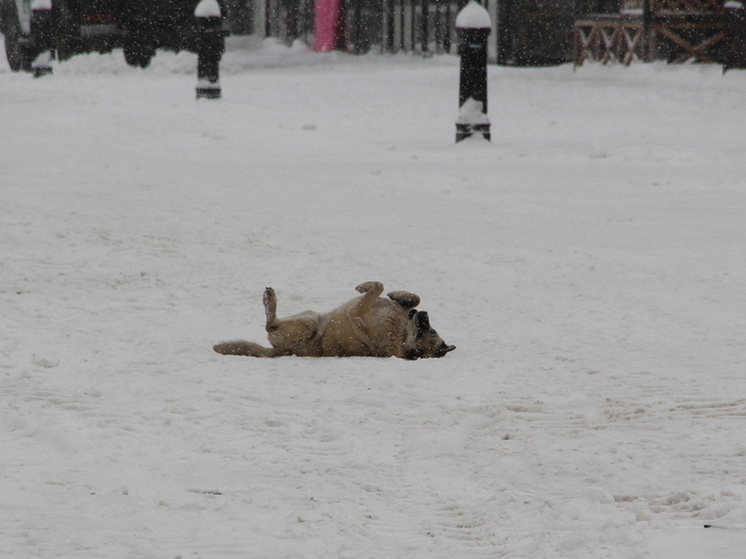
[{"x": 588, "y": 263}]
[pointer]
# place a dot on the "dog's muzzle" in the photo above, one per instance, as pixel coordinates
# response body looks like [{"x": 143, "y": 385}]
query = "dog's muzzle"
[{"x": 443, "y": 349}]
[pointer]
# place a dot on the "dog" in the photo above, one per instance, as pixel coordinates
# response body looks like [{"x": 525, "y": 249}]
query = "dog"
[{"x": 367, "y": 326}]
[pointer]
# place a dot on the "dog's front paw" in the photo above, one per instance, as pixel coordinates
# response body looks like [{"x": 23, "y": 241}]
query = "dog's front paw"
[
  {"x": 405, "y": 299},
  {"x": 370, "y": 286}
]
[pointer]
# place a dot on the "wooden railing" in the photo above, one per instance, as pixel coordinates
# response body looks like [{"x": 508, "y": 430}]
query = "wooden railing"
[{"x": 673, "y": 30}]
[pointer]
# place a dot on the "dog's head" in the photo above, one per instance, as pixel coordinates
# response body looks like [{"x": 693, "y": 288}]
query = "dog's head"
[{"x": 422, "y": 341}]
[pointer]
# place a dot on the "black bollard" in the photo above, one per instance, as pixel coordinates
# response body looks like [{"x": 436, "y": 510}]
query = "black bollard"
[
  {"x": 211, "y": 45},
  {"x": 41, "y": 37},
  {"x": 473, "y": 26},
  {"x": 734, "y": 55}
]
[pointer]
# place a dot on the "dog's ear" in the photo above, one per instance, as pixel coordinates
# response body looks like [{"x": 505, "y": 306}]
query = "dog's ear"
[
  {"x": 423, "y": 321},
  {"x": 412, "y": 312}
]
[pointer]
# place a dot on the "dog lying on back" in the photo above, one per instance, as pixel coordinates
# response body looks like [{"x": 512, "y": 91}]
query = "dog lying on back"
[{"x": 367, "y": 326}]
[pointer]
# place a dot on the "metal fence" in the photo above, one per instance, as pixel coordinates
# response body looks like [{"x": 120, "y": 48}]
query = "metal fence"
[
  {"x": 417, "y": 26},
  {"x": 525, "y": 32},
  {"x": 422, "y": 26}
]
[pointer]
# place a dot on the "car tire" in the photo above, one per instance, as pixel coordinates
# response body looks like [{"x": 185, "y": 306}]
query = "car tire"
[
  {"x": 15, "y": 49},
  {"x": 138, "y": 56}
]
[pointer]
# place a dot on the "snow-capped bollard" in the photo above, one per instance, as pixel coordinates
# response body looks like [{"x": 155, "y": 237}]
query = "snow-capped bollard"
[
  {"x": 473, "y": 26},
  {"x": 42, "y": 66},
  {"x": 210, "y": 49},
  {"x": 41, "y": 34}
]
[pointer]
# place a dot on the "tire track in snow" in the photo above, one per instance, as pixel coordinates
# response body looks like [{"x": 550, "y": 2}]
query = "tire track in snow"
[{"x": 712, "y": 409}]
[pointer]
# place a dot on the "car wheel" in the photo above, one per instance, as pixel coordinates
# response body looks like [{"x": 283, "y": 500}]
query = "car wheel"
[
  {"x": 138, "y": 55},
  {"x": 15, "y": 49}
]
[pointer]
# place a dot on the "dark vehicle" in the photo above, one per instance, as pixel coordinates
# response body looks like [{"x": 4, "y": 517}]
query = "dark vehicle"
[{"x": 138, "y": 27}]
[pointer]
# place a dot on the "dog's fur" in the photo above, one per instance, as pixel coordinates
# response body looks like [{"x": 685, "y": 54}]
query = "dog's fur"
[{"x": 367, "y": 326}]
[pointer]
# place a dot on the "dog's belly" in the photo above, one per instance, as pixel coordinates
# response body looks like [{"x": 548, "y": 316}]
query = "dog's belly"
[
  {"x": 344, "y": 337},
  {"x": 374, "y": 334}
]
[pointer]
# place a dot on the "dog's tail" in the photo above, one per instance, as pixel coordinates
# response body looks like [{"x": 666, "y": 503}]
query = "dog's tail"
[{"x": 249, "y": 349}]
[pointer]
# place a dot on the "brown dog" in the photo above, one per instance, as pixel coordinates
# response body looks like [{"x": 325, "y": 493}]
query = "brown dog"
[{"x": 367, "y": 326}]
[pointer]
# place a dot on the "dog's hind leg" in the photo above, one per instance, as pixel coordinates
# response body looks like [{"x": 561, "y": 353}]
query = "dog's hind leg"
[
  {"x": 270, "y": 308},
  {"x": 291, "y": 335}
]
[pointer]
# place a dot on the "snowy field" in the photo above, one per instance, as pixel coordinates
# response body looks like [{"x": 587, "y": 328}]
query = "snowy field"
[{"x": 588, "y": 264}]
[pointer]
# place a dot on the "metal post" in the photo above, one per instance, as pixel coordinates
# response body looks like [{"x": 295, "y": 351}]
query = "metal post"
[
  {"x": 648, "y": 32},
  {"x": 473, "y": 27},
  {"x": 41, "y": 34},
  {"x": 211, "y": 45},
  {"x": 735, "y": 42},
  {"x": 424, "y": 24}
]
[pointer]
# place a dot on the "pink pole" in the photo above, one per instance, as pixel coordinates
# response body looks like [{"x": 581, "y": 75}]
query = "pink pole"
[{"x": 327, "y": 25}]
